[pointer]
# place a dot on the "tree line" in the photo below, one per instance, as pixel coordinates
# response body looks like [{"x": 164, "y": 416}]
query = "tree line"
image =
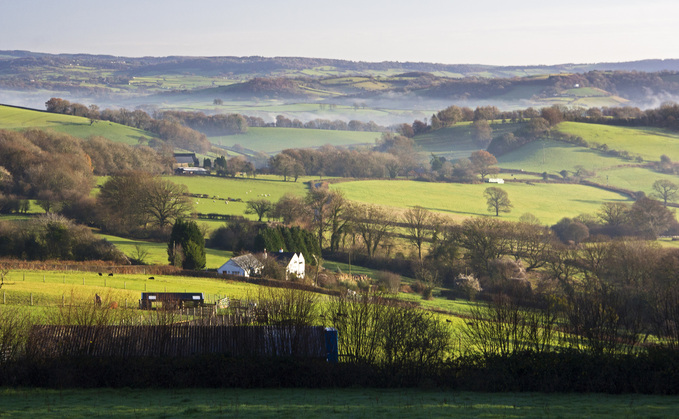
[{"x": 167, "y": 129}]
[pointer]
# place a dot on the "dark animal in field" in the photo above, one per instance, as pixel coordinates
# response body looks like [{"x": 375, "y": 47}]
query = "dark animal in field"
[
  {"x": 111, "y": 274},
  {"x": 151, "y": 277},
  {"x": 448, "y": 320},
  {"x": 99, "y": 273},
  {"x": 113, "y": 305}
]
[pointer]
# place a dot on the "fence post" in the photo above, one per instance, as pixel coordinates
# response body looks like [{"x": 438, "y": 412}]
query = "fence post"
[
  {"x": 63, "y": 281},
  {"x": 62, "y": 300},
  {"x": 43, "y": 277},
  {"x": 4, "y": 297},
  {"x": 31, "y": 299}
]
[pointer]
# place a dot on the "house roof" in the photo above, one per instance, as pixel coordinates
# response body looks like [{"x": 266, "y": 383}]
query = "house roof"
[
  {"x": 246, "y": 262},
  {"x": 283, "y": 257}
]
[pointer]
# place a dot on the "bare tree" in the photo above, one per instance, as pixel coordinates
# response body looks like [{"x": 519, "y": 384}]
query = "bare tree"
[
  {"x": 497, "y": 200},
  {"x": 665, "y": 190},
  {"x": 420, "y": 225},
  {"x": 261, "y": 207},
  {"x": 373, "y": 224}
]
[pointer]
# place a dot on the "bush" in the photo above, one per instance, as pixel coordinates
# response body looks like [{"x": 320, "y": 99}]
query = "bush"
[{"x": 389, "y": 281}]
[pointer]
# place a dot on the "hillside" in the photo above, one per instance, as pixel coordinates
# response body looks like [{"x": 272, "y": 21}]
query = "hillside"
[
  {"x": 15, "y": 118},
  {"x": 28, "y": 79}
]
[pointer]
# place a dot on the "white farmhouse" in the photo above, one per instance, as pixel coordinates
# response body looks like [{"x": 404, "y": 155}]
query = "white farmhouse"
[
  {"x": 244, "y": 265},
  {"x": 294, "y": 263},
  {"x": 495, "y": 180}
]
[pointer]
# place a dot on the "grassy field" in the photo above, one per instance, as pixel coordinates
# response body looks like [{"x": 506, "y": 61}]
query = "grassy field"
[
  {"x": 20, "y": 119},
  {"x": 47, "y": 288},
  {"x": 272, "y": 140},
  {"x": 157, "y": 252},
  {"x": 326, "y": 403},
  {"x": 548, "y": 202},
  {"x": 650, "y": 143}
]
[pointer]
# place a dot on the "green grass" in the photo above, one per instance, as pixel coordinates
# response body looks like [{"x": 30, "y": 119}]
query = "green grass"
[
  {"x": 272, "y": 140},
  {"x": 549, "y": 202},
  {"x": 21, "y": 119},
  {"x": 325, "y": 403},
  {"x": 650, "y": 143},
  {"x": 157, "y": 252},
  {"x": 48, "y": 287}
]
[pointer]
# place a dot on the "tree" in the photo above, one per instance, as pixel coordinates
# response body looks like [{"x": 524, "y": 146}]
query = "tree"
[
  {"x": 187, "y": 237},
  {"x": 497, "y": 200},
  {"x": 165, "y": 201},
  {"x": 665, "y": 190},
  {"x": 372, "y": 223},
  {"x": 651, "y": 217},
  {"x": 289, "y": 208},
  {"x": 482, "y": 132},
  {"x": 420, "y": 225},
  {"x": 483, "y": 163},
  {"x": 261, "y": 207}
]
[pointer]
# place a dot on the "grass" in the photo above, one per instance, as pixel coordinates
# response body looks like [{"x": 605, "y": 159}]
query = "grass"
[
  {"x": 157, "y": 252},
  {"x": 548, "y": 202},
  {"x": 21, "y": 119},
  {"x": 325, "y": 403},
  {"x": 49, "y": 287},
  {"x": 650, "y": 143}
]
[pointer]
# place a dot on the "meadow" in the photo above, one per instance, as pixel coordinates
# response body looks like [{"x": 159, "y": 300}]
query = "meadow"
[
  {"x": 548, "y": 202},
  {"x": 649, "y": 143},
  {"x": 21, "y": 119},
  {"x": 326, "y": 403},
  {"x": 52, "y": 288}
]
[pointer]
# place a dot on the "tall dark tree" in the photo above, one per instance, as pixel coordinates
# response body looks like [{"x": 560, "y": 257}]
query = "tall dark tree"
[{"x": 186, "y": 235}]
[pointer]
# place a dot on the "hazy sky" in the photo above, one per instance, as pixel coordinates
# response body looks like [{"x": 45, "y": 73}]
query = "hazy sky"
[{"x": 453, "y": 32}]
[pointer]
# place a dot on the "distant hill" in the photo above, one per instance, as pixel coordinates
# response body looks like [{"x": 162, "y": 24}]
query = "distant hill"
[{"x": 258, "y": 85}]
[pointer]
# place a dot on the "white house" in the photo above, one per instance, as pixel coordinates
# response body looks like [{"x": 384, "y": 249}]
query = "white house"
[
  {"x": 495, "y": 180},
  {"x": 294, "y": 262},
  {"x": 244, "y": 265}
]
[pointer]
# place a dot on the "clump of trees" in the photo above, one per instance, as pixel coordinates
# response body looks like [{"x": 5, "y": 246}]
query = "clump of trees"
[
  {"x": 167, "y": 129},
  {"x": 52, "y": 236}
]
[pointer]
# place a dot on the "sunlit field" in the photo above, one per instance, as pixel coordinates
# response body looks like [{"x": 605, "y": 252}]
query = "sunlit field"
[{"x": 548, "y": 202}]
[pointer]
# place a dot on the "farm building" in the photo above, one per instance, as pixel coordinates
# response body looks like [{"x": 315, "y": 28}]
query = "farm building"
[
  {"x": 191, "y": 171},
  {"x": 294, "y": 262},
  {"x": 495, "y": 180},
  {"x": 244, "y": 265},
  {"x": 186, "y": 160}
]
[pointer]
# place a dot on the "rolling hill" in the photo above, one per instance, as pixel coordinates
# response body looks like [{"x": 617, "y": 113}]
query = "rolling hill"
[{"x": 16, "y": 118}]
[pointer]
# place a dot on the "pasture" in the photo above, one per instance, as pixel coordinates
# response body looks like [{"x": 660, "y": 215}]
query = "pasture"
[
  {"x": 650, "y": 143},
  {"x": 156, "y": 253},
  {"x": 548, "y": 202},
  {"x": 51, "y": 288},
  {"x": 325, "y": 403},
  {"x": 21, "y": 119}
]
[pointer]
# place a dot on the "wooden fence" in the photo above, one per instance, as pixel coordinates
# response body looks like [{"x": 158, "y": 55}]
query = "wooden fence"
[{"x": 177, "y": 340}]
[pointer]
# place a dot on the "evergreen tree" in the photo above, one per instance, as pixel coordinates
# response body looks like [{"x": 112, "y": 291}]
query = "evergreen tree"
[{"x": 187, "y": 236}]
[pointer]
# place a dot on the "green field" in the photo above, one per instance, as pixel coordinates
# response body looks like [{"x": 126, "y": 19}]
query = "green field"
[
  {"x": 20, "y": 119},
  {"x": 326, "y": 403},
  {"x": 157, "y": 252},
  {"x": 650, "y": 143},
  {"x": 548, "y": 202},
  {"x": 273, "y": 140},
  {"x": 47, "y": 288}
]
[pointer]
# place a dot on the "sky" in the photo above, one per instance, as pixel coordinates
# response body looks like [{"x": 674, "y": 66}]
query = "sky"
[{"x": 495, "y": 32}]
